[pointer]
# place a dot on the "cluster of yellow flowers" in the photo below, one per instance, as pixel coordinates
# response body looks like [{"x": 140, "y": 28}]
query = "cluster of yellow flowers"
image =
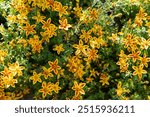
[{"x": 86, "y": 64}]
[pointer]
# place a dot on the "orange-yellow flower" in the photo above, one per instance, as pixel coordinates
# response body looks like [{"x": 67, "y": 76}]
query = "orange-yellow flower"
[
  {"x": 93, "y": 14},
  {"x": 23, "y": 42},
  {"x": 128, "y": 41},
  {"x": 46, "y": 89},
  {"x": 59, "y": 48},
  {"x": 142, "y": 15},
  {"x": 60, "y": 8},
  {"x": 64, "y": 24},
  {"x": 3, "y": 53},
  {"x": 56, "y": 87},
  {"x": 144, "y": 44},
  {"x": 86, "y": 35},
  {"x": 29, "y": 29},
  {"x": 104, "y": 79},
  {"x": 123, "y": 56},
  {"x": 144, "y": 60},
  {"x": 60, "y": 73},
  {"x": 48, "y": 25},
  {"x": 36, "y": 44},
  {"x": 80, "y": 48},
  {"x": 48, "y": 33},
  {"x": 50, "y": 3},
  {"x": 54, "y": 66},
  {"x": 39, "y": 18},
  {"x": 47, "y": 72},
  {"x": 7, "y": 72},
  {"x": 79, "y": 73},
  {"x": 73, "y": 64},
  {"x": 92, "y": 54},
  {"x": 77, "y": 10},
  {"x": 93, "y": 73},
  {"x": 16, "y": 68},
  {"x": 123, "y": 65},
  {"x": 78, "y": 88},
  {"x": 89, "y": 79},
  {"x": 138, "y": 70},
  {"x": 36, "y": 78},
  {"x": 135, "y": 55},
  {"x": 119, "y": 89},
  {"x": 9, "y": 81}
]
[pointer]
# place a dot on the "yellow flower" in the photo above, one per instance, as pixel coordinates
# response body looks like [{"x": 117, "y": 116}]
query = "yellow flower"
[
  {"x": 144, "y": 44},
  {"x": 60, "y": 73},
  {"x": 47, "y": 72},
  {"x": 93, "y": 73},
  {"x": 119, "y": 89},
  {"x": 36, "y": 78},
  {"x": 79, "y": 73},
  {"x": 46, "y": 89},
  {"x": 23, "y": 42},
  {"x": 12, "y": 18},
  {"x": 39, "y": 18},
  {"x": 73, "y": 64},
  {"x": 59, "y": 48},
  {"x": 50, "y": 3},
  {"x": 142, "y": 15},
  {"x": 78, "y": 88},
  {"x": 135, "y": 56},
  {"x": 7, "y": 72},
  {"x": 128, "y": 40},
  {"x": 9, "y": 81},
  {"x": 138, "y": 70},
  {"x": 77, "y": 10},
  {"x": 47, "y": 25},
  {"x": 3, "y": 53},
  {"x": 16, "y": 68},
  {"x": 138, "y": 22},
  {"x": 60, "y": 8},
  {"x": 86, "y": 35},
  {"x": 144, "y": 60},
  {"x": 80, "y": 48},
  {"x": 29, "y": 29},
  {"x": 64, "y": 24},
  {"x": 104, "y": 79},
  {"x": 92, "y": 54},
  {"x": 89, "y": 79},
  {"x": 54, "y": 66},
  {"x": 123, "y": 56},
  {"x": 56, "y": 87},
  {"x": 123, "y": 65},
  {"x": 36, "y": 44},
  {"x": 113, "y": 37},
  {"x": 94, "y": 14},
  {"x": 48, "y": 33}
]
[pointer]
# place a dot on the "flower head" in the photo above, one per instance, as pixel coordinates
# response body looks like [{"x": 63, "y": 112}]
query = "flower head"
[
  {"x": 78, "y": 88},
  {"x": 104, "y": 79},
  {"x": 54, "y": 66},
  {"x": 138, "y": 70},
  {"x": 36, "y": 78},
  {"x": 64, "y": 24},
  {"x": 59, "y": 48}
]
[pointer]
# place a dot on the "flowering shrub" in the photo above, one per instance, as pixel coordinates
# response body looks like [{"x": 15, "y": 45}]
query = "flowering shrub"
[{"x": 72, "y": 49}]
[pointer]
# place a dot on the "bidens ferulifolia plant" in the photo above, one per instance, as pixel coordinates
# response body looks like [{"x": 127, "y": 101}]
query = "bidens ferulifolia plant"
[{"x": 72, "y": 49}]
